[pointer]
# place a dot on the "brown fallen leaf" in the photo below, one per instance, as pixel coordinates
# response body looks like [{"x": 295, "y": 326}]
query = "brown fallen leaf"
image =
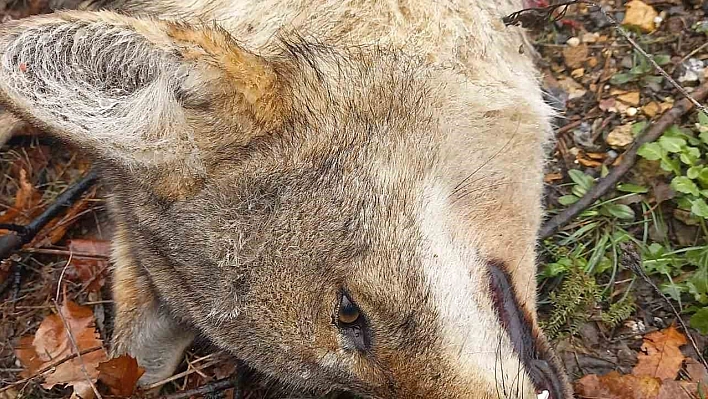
[
  {"x": 89, "y": 262},
  {"x": 120, "y": 375},
  {"x": 51, "y": 344},
  {"x": 587, "y": 162},
  {"x": 671, "y": 389},
  {"x": 613, "y": 385},
  {"x": 551, "y": 177},
  {"x": 661, "y": 356},
  {"x": 629, "y": 98},
  {"x": 696, "y": 371},
  {"x": 27, "y": 199},
  {"x": 640, "y": 15},
  {"x": 574, "y": 57},
  {"x": 620, "y": 137}
]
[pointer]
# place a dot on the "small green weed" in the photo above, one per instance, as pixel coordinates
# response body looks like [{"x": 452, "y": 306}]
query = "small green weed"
[
  {"x": 641, "y": 70},
  {"x": 587, "y": 252}
]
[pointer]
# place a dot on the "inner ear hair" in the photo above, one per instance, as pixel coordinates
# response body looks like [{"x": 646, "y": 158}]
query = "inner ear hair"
[{"x": 117, "y": 85}]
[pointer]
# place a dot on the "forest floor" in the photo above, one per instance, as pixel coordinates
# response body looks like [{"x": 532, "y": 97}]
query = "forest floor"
[{"x": 621, "y": 332}]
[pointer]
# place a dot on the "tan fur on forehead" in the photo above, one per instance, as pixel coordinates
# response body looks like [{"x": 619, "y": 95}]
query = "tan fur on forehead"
[{"x": 293, "y": 151}]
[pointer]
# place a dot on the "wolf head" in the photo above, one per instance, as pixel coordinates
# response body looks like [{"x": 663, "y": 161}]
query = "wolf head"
[{"x": 349, "y": 218}]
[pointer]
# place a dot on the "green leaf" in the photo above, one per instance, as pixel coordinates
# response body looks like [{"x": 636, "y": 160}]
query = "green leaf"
[
  {"x": 699, "y": 321},
  {"x": 656, "y": 249},
  {"x": 638, "y": 127},
  {"x": 619, "y": 211},
  {"x": 683, "y": 203},
  {"x": 651, "y": 151},
  {"x": 670, "y": 165},
  {"x": 690, "y": 155},
  {"x": 556, "y": 268},
  {"x": 684, "y": 185},
  {"x": 604, "y": 171},
  {"x": 699, "y": 208},
  {"x": 632, "y": 188},
  {"x": 640, "y": 70},
  {"x": 649, "y": 79},
  {"x": 662, "y": 59},
  {"x": 582, "y": 182},
  {"x": 673, "y": 290},
  {"x": 702, "y": 118},
  {"x": 703, "y": 136},
  {"x": 672, "y": 144},
  {"x": 693, "y": 172},
  {"x": 568, "y": 200},
  {"x": 703, "y": 177},
  {"x": 622, "y": 78}
]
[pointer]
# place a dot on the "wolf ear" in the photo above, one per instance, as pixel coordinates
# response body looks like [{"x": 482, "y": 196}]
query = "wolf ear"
[{"x": 136, "y": 90}]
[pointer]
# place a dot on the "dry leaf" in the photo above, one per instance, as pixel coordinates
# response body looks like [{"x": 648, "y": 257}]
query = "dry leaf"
[
  {"x": 640, "y": 15},
  {"x": 120, "y": 374},
  {"x": 551, "y": 177},
  {"x": 671, "y": 389},
  {"x": 51, "y": 344},
  {"x": 620, "y": 137},
  {"x": 696, "y": 371},
  {"x": 661, "y": 356},
  {"x": 573, "y": 88},
  {"x": 651, "y": 109},
  {"x": 27, "y": 199},
  {"x": 89, "y": 262},
  {"x": 629, "y": 98},
  {"x": 616, "y": 386},
  {"x": 574, "y": 57},
  {"x": 608, "y": 104}
]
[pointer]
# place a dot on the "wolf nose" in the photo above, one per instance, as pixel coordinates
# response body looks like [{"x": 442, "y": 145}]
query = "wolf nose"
[{"x": 547, "y": 383}]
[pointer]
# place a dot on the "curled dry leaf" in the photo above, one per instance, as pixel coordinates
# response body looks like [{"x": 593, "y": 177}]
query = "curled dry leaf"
[
  {"x": 51, "y": 344},
  {"x": 661, "y": 356},
  {"x": 27, "y": 198},
  {"x": 120, "y": 375}
]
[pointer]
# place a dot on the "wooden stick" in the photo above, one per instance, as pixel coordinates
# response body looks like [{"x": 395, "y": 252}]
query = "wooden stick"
[
  {"x": 212, "y": 387},
  {"x": 14, "y": 240},
  {"x": 651, "y": 133}
]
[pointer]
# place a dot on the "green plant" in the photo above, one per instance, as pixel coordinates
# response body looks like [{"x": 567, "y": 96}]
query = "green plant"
[
  {"x": 572, "y": 303},
  {"x": 641, "y": 70},
  {"x": 582, "y": 183},
  {"x": 682, "y": 152}
]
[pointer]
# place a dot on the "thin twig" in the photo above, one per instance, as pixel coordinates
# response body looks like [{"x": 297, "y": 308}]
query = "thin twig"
[
  {"x": 651, "y": 133},
  {"x": 212, "y": 387},
  {"x": 180, "y": 375},
  {"x": 631, "y": 260},
  {"x": 75, "y": 347},
  {"x": 14, "y": 240},
  {"x": 49, "y": 367},
  {"x": 530, "y": 17}
]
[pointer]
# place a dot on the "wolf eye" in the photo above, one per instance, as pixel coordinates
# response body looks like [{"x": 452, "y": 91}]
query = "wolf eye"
[
  {"x": 348, "y": 312},
  {"x": 352, "y": 325}
]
